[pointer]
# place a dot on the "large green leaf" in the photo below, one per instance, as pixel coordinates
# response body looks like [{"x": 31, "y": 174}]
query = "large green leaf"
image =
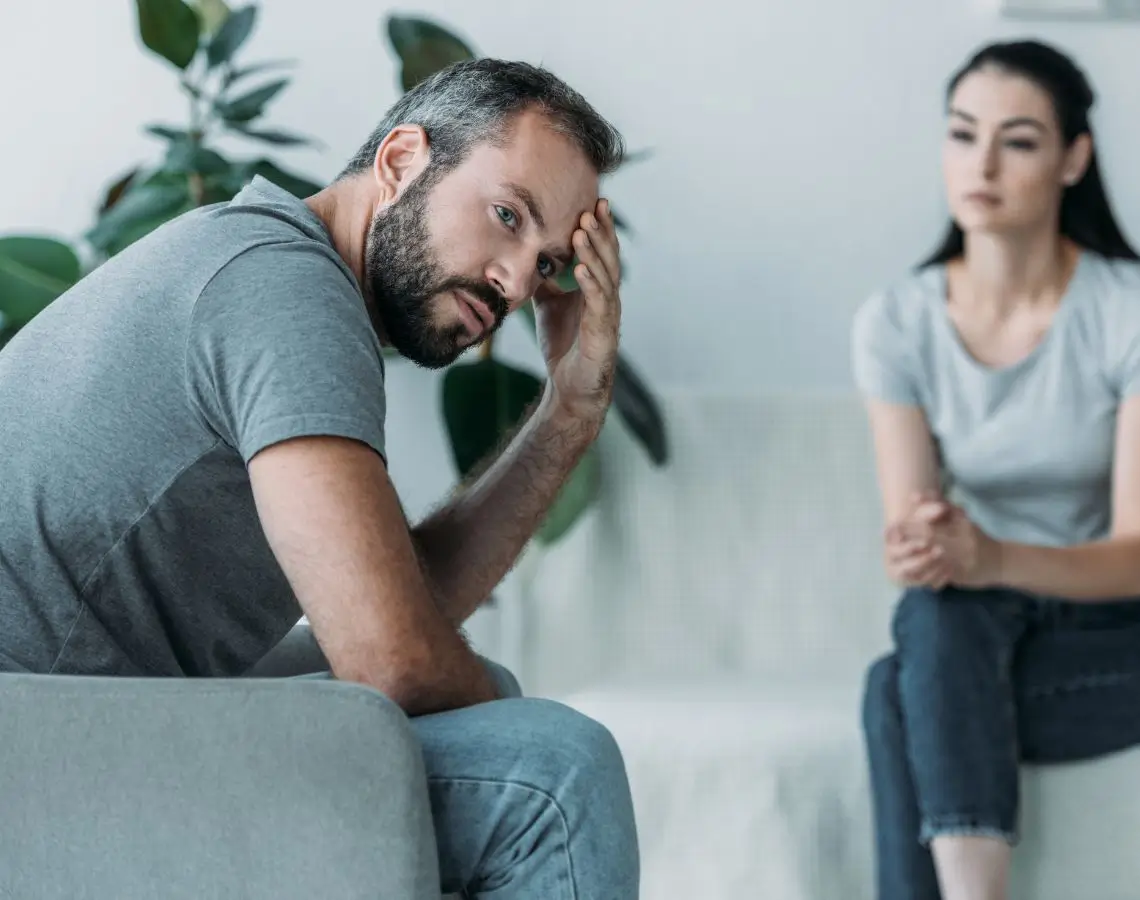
[
  {"x": 636, "y": 156},
  {"x": 276, "y": 137},
  {"x": 639, "y": 409},
  {"x": 251, "y": 104},
  {"x": 170, "y": 29},
  {"x": 482, "y": 402},
  {"x": 233, "y": 75},
  {"x": 140, "y": 210},
  {"x": 633, "y": 401},
  {"x": 240, "y": 174},
  {"x": 566, "y": 280},
  {"x": 297, "y": 185},
  {"x": 233, "y": 33},
  {"x": 166, "y": 132},
  {"x": 185, "y": 156},
  {"x": 212, "y": 14},
  {"x": 33, "y": 272},
  {"x": 424, "y": 48},
  {"x": 575, "y": 497},
  {"x": 116, "y": 190}
]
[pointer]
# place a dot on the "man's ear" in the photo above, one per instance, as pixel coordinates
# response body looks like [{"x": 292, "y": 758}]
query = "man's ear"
[{"x": 401, "y": 156}]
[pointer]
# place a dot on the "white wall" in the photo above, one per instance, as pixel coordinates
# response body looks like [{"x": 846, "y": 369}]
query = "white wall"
[{"x": 796, "y": 147}]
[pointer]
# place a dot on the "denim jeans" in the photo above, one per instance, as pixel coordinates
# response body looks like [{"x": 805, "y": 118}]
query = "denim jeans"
[
  {"x": 979, "y": 682},
  {"x": 529, "y": 798}
]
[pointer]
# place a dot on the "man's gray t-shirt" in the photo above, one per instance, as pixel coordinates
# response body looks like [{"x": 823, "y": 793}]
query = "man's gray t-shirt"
[
  {"x": 1027, "y": 449},
  {"x": 129, "y": 540}
]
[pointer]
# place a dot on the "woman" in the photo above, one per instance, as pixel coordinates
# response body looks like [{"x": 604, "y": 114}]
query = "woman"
[{"x": 1002, "y": 383}]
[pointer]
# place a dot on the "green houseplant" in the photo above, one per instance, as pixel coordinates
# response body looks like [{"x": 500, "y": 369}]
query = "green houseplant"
[
  {"x": 201, "y": 41},
  {"x": 482, "y": 401}
]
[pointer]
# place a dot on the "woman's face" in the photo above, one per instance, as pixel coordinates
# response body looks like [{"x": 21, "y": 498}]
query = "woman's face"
[{"x": 1004, "y": 161}]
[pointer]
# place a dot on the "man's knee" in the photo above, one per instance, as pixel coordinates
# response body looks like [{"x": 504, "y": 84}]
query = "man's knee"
[
  {"x": 576, "y": 756},
  {"x": 580, "y": 741}
]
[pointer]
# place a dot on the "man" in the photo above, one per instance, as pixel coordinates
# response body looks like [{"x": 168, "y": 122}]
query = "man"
[{"x": 193, "y": 454}]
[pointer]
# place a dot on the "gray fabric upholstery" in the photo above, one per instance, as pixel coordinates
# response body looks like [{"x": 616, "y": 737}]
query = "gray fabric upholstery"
[
  {"x": 136, "y": 789},
  {"x": 298, "y": 653}
]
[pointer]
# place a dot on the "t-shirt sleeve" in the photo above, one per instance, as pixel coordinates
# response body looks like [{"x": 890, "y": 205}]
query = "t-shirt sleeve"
[
  {"x": 1123, "y": 329},
  {"x": 279, "y": 346},
  {"x": 884, "y": 360}
]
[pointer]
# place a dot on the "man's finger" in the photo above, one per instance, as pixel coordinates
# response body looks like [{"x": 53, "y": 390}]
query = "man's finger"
[
  {"x": 603, "y": 235},
  {"x": 590, "y": 257},
  {"x": 600, "y": 310}
]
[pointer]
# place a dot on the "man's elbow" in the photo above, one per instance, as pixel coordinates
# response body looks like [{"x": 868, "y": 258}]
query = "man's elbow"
[{"x": 404, "y": 683}]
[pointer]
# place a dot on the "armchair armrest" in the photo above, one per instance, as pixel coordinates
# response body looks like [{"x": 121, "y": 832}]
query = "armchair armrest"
[{"x": 237, "y": 788}]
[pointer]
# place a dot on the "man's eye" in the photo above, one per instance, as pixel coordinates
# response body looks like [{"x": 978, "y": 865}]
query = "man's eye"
[
  {"x": 546, "y": 267},
  {"x": 507, "y": 216}
]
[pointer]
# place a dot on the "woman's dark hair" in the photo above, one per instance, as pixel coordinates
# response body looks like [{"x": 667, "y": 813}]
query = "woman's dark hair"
[{"x": 1086, "y": 214}]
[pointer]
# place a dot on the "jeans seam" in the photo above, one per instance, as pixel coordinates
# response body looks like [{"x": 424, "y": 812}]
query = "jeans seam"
[
  {"x": 1081, "y": 683},
  {"x": 502, "y": 782}
]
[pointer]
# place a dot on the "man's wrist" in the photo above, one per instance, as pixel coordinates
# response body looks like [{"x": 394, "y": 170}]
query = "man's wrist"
[{"x": 577, "y": 425}]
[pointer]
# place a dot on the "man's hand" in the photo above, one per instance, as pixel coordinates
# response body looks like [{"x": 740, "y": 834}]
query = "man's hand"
[
  {"x": 470, "y": 544},
  {"x": 578, "y": 331},
  {"x": 937, "y": 544}
]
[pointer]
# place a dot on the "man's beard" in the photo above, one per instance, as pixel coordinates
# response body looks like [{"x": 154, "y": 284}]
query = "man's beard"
[{"x": 405, "y": 280}]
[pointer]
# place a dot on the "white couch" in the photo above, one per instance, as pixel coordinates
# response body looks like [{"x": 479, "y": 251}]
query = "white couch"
[{"x": 718, "y": 615}]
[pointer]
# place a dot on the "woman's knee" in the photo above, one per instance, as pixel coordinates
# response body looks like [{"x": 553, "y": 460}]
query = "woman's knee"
[
  {"x": 881, "y": 711},
  {"x": 927, "y": 618},
  {"x": 956, "y": 620}
]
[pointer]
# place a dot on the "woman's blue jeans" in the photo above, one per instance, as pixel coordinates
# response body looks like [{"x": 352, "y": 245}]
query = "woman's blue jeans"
[{"x": 980, "y": 681}]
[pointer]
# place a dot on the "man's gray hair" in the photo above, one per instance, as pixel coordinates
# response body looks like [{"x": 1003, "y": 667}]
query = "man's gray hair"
[{"x": 475, "y": 102}]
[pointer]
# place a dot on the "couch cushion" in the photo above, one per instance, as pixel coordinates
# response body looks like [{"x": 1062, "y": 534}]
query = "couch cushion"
[
  {"x": 744, "y": 790},
  {"x": 761, "y": 790}
]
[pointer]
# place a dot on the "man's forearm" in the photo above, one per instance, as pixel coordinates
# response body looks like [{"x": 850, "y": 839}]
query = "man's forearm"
[
  {"x": 467, "y": 546},
  {"x": 1102, "y": 571}
]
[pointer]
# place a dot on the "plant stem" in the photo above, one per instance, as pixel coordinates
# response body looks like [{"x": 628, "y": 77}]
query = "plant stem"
[
  {"x": 197, "y": 132},
  {"x": 197, "y": 188}
]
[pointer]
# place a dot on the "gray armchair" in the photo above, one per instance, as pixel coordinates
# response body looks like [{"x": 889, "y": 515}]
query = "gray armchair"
[{"x": 251, "y": 788}]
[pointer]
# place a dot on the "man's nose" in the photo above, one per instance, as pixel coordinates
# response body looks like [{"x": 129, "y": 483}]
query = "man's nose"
[{"x": 514, "y": 278}]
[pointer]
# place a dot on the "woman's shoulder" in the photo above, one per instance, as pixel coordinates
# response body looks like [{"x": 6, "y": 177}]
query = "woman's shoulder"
[
  {"x": 1112, "y": 279},
  {"x": 1109, "y": 291},
  {"x": 903, "y": 305}
]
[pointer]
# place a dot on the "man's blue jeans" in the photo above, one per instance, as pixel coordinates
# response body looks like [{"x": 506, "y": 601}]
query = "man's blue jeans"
[
  {"x": 980, "y": 681},
  {"x": 529, "y": 798}
]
